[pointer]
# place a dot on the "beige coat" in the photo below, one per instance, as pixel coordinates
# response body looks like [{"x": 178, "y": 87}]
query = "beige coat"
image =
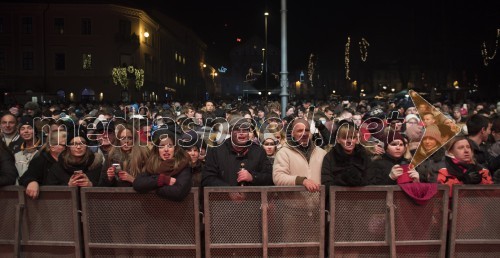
[{"x": 290, "y": 163}]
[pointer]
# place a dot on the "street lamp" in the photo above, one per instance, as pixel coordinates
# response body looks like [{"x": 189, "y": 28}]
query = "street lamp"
[
  {"x": 146, "y": 34},
  {"x": 265, "y": 45}
]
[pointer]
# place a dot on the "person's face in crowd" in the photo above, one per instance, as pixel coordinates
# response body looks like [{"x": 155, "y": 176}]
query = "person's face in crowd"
[
  {"x": 105, "y": 138},
  {"x": 290, "y": 111},
  {"x": 451, "y": 124},
  {"x": 348, "y": 141},
  {"x": 147, "y": 130},
  {"x": 429, "y": 119},
  {"x": 8, "y": 124},
  {"x": 260, "y": 114},
  {"x": 190, "y": 113},
  {"x": 396, "y": 125},
  {"x": 278, "y": 136},
  {"x": 300, "y": 114},
  {"x": 78, "y": 147},
  {"x": 126, "y": 140},
  {"x": 411, "y": 122},
  {"x": 396, "y": 149},
  {"x": 457, "y": 114},
  {"x": 486, "y": 132},
  {"x": 26, "y": 132},
  {"x": 59, "y": 147},
  {"x": 429, "y": 143},
  {"x": 301, "y": 132},
  {"x": 347, "y": 116},
  {"x": 166, "y": 148},
  {"x": 329, "y": 114},
  {"x": 269, "y": 147},
  {"x": 30, "y": 112},
  {"x": 198, "y": 118},
  {"x": 479, "y": 107},
  {"x": 209, "y": 106},
  {"x": 56, "y": 127},
  {"x": 248, "y": 116},
  {"x": 411, "y": 110},
  {"x": 203, "y": 153},
  {"x": 422, "y": 108},
  {"x": 194, "y": 154},
  {"x": 462, "y": 151},
  {"x": 240, "y": 135},
  {"x": 356, "y": 119}
]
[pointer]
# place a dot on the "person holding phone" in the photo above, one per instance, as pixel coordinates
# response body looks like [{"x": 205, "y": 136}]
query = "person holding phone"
[
  {"x": 126, "y": 160},
  {"x": 77, "y": 165},
  {"x": 392, "y": 164}
]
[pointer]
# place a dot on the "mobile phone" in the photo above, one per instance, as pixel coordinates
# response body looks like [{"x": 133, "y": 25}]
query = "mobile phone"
[
  {"x": 117, "y": 167},
  {"x": 78, "y": 172}
]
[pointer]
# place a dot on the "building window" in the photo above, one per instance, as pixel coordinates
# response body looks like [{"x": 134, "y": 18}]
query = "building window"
[
  {"x": 87, "y": 61},
  {"x": 27, "y": 25},
  {"x": 86, "y": 26},
  {"x": 183, "y": 60},
  {"x": 176, "y": 56},
  {"x": 125, "y": 27},
  {"x": 1, "y": 25},
  {"x": 183, "y": 81},
  {"x": 59, "y": 25},
  {"x": 60, "y": 62},
  {"x": 28, "y": 61},
  {"x": 2, "y": 60}
]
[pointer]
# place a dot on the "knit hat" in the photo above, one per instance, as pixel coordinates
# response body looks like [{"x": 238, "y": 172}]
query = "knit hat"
[
  {"x": 433, "y": 132},
  {"x": 26, "y": 120},
  {"x": 31, "y": 105},
  {"x": 412, "y": 116},
  {"x": 392, "y": 136},
  {"x": 268, "y": 135}
]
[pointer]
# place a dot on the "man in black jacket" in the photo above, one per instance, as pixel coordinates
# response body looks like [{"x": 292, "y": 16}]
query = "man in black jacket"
[
  {"x": 237, "y": 161},
  {"x": 8, "y": 171}
]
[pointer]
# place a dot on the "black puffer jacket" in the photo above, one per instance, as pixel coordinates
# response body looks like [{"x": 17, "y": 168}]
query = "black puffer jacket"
[
  {"x": 8, "y": 171},
  {"x": 342, "y": 169}
]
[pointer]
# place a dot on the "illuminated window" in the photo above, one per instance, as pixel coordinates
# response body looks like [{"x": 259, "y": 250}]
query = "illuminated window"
[
  {"x": 176, "y": 56},
  {"x": 183, "y": 60},
  {"x": 183, "y": 81},
  {"x": 87, "y": 61}
]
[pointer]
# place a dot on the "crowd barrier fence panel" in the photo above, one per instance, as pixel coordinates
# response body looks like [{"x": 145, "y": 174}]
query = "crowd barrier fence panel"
[
  {"x": 119, "y": 222},
  {"x": 269, "y": 222},
  {"x": 381, "y": 221},
  {"x": 475, "y": 224},
  {"x": 11, "y": 206}
]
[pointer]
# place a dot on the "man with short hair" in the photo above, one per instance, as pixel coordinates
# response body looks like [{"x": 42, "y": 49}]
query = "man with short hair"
[
  {"x": 479, "y": 128},
  {"x": 10, "y": 135}
]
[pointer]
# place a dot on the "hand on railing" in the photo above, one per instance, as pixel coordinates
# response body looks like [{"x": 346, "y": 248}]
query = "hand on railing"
[
  {"x": 311, "y": 186},
  {"x": 32, "y": 190}
]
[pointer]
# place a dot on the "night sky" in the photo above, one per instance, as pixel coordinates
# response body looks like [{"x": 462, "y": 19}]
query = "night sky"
[{"x": 427, "y": 32}]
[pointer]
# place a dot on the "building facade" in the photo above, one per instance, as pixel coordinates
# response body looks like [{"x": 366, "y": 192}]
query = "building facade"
[{"x": 75, "y": 52}]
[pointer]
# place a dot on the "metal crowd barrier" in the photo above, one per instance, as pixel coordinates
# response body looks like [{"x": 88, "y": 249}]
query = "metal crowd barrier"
[
  {"x": 46, "y": 227},
  {"x": 266, "y": 222},
  {"x": 119, "y": 222},
  {"x": 475, "y": 224},
  {"x": 381, "y": 221}
]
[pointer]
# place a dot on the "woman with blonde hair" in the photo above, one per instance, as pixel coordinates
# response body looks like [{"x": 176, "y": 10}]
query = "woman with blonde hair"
[
  {"x": 128, "y": 154},
  {"x": 168, "y": 170}
]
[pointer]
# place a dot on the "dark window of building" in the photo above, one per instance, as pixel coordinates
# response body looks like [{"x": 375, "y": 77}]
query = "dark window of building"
[
  {"x": 28, "y": 62},
  {"x": 2, "y": 60},
  {"x": 125, "y": 27},
  {"x": 27, "y": 25},
  {"x": 86, "y": 26},
  {"x": 1, "y": 25},
  {"x": 60, "y": 62},
  {"x": 59, "y": 25}
]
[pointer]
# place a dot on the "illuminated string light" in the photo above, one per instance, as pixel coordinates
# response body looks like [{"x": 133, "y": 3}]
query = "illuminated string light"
[
  {"x": 484, "y": 50},
  {"x": 363, "y": 49},
  {"x": 311, "y": 69},
  {"x": 346, "y": 57}
]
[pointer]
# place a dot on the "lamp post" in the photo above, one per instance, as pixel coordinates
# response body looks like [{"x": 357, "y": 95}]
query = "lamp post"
[{"x": 265, "y": 46}]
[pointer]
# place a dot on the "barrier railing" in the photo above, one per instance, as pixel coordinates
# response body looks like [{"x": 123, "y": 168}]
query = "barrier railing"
[
  {"x": 381, "y": 221},
  {"x": 48, "y": 226},
  {"x": 264, "y": 222},
  {"x": 475, "y": 224},
  {"x": 369, "y": 221},
  {"x": 120, "y": 222}
]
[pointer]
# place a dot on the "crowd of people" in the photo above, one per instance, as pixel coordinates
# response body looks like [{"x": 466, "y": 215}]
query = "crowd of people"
[{"x": 169, "y": 148}]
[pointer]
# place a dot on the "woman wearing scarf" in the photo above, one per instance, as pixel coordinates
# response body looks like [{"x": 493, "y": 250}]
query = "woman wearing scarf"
[
  {"x": 30, "y": 145},
  {"x": 77, "y": 165},
  {"x": 167, "y": 170}
]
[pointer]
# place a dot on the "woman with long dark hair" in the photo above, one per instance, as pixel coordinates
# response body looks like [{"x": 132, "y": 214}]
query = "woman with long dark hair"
[
  {"x": 167, "y": 170},
  {"x": 77, "y": 166}
]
